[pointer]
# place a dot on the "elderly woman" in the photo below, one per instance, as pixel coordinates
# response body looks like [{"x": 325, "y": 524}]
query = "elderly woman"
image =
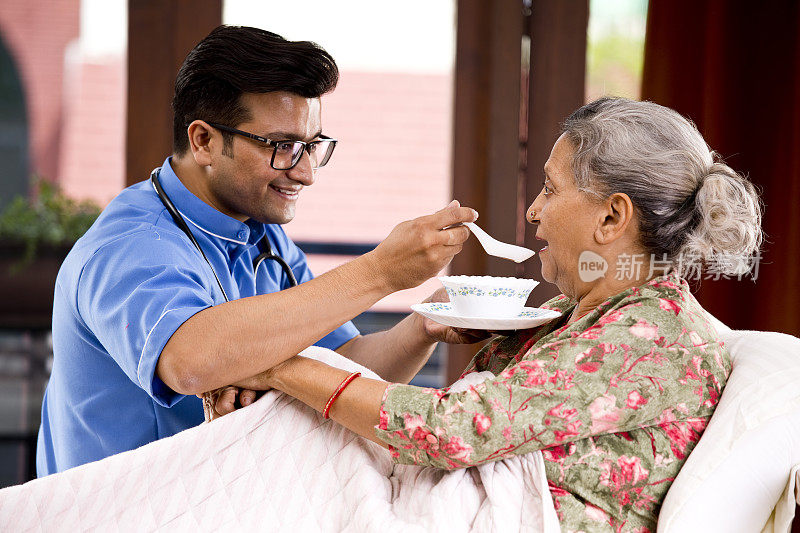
[{"x": 617, "y": 391}]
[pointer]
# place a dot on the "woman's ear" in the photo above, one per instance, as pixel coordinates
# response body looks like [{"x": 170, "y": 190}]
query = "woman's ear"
[
  {"x": 200, "y": 142},
  {"x": 615, "y": 214}
]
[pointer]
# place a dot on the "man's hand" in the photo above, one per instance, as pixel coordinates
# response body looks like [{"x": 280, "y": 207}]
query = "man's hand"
[
  {"x": 441, "y": 333},
  {"x": 418, "y": 249}
]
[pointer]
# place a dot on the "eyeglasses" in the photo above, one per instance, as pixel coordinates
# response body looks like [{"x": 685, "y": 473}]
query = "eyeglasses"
[{"x": 286, "y": 154}]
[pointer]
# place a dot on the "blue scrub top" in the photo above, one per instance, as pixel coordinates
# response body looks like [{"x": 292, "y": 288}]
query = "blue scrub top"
[{"x": 123, "y": 290}]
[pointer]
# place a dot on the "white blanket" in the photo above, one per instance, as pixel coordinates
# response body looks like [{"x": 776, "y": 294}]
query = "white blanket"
[{"x": 278, "y": 465}]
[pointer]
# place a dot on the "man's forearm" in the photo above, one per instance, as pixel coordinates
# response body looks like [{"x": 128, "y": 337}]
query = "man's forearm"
[
  {"x": 395, "y": 355},
  {"x": 235, "y": 340},
  {"x": 227, "y": 343}
]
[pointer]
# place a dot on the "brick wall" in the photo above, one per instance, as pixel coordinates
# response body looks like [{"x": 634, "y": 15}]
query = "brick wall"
[
  {"x": 392, "y": 161},
  {"x": 37, "y": 33},
  {"x": 93, "y": 146}
]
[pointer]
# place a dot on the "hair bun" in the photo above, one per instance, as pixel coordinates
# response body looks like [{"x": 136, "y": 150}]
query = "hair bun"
[{"x": 729, "y": 227}]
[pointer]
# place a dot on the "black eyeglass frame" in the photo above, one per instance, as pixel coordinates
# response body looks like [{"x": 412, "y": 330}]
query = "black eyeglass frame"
[{"x": 274, "y": 145}]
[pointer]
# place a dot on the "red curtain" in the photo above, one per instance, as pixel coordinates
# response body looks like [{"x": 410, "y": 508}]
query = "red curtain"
[{"x": 734, "y": 69}]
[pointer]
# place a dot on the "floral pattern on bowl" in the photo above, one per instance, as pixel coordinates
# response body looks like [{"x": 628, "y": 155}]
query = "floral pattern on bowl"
[{"x": 488, "y": 296}]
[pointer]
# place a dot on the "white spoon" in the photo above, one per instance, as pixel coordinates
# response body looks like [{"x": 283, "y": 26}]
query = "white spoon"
[{"x": 496, "y": 248}]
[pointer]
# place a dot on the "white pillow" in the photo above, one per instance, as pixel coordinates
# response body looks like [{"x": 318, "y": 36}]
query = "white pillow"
[{"x": 736, "y": 474}]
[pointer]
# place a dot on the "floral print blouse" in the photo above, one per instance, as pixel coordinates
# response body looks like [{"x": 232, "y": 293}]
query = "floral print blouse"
[{"x": 616, "y": 401}]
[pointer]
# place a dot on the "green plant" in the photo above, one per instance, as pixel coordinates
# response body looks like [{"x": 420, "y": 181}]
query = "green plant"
[{"x": 48, "y": 218}]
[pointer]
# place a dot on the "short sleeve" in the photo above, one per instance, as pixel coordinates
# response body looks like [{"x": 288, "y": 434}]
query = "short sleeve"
[{"x": 134, "y": 293}]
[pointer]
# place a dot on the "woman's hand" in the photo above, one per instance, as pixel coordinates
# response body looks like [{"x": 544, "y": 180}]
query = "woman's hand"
[
  {"x": 227, "y": 399},
  {"x": 441, "y": 333}
]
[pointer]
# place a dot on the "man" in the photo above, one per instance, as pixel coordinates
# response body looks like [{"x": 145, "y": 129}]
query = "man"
[{"x": 141, "y": 321}]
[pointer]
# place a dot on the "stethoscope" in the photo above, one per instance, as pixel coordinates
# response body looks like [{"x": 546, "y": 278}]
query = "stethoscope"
[{"x": 181, "y": 223}]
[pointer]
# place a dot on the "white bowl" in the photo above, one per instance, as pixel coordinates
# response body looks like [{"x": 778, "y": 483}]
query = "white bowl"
[{"x": 487, "y": 296}]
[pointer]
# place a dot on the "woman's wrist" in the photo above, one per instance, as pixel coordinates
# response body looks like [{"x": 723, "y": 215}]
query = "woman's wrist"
[
  {"x": 268, "y": 379},
  {"x": 279, "y": 376}
]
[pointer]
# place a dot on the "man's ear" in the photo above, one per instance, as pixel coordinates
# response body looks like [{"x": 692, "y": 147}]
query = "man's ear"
[
  {"x": 616, "y": 213},
  {"x": 200, "y": 142}
]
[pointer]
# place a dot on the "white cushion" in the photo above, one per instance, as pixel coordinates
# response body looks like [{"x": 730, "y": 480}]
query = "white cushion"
[{"x": 735, "y": 476}]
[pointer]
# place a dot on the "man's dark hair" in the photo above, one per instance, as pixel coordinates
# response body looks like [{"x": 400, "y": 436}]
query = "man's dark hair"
[{"x": 233, "y": 60}]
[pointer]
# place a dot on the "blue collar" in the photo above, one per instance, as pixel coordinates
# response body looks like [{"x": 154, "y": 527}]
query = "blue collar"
[{"x": 200, "y": 215}]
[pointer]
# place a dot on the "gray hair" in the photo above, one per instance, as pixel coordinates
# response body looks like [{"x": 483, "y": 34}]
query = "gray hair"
[{"x": 690, "y": 204}]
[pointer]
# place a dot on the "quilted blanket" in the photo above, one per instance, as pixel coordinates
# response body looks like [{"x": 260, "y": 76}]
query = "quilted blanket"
[{"x": 278, "y": 465}]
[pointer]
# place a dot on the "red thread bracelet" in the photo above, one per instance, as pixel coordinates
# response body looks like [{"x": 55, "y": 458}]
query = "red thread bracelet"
[{"x": 337, "y": 392}]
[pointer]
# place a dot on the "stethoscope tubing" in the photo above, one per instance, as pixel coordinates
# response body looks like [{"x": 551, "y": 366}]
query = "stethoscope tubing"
[
  {"x": 181, "y": 223},
  {"x": 260, "y": 258}
]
